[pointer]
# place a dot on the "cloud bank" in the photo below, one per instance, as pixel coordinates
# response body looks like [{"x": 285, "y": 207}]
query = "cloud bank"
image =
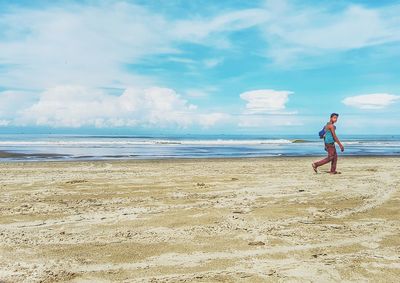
[{"x": 77, "y": 106}]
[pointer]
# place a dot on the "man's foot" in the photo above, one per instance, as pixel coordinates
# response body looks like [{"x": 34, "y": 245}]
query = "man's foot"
[
  {"x": 335, "y": 172},
  {"x": 314, "y": 167}
]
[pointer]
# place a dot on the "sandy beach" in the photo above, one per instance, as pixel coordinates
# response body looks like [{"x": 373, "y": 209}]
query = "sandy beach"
[{"x": 205, "y": 220}]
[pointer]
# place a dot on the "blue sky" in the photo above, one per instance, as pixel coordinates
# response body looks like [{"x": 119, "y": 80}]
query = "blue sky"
[{"x": 231, "y": 67}]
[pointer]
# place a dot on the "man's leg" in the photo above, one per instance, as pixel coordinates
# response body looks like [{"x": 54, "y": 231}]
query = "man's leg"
[
  {"x": 327, "y": 159},
  {"x": 334, "y": 160}
]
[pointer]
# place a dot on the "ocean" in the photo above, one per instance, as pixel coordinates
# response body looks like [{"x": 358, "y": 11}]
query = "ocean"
[{"x": 16, "y": 147}]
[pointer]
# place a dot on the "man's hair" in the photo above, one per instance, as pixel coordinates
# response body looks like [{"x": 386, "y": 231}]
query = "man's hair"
[{"x": 334, "y": 114}]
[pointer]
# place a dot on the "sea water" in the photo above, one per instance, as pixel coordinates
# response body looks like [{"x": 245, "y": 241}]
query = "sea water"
[{"x": 80, "y": 147}]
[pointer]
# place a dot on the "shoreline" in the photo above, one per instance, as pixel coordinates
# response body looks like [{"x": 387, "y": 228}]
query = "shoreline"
[{"x": 6, "y": 156}]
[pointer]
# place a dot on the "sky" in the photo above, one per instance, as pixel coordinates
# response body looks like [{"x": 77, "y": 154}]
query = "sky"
[{"x": 199, "y": 67}]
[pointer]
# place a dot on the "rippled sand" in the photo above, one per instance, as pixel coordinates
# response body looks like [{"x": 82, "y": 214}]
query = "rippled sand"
[{"x": 226, "y": 220}]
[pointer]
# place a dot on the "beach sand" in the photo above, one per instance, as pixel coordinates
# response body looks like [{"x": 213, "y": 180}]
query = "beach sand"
[{"x": 205, "y": 220}]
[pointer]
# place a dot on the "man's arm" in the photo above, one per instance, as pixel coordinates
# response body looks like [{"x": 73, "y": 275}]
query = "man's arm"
[{"x": 332, "y": 129}]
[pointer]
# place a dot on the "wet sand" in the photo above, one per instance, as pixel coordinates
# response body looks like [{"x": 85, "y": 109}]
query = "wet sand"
[{"x": 205, "y": 220}]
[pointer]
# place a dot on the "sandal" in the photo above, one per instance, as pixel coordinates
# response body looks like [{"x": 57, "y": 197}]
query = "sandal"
[{"x": 314, "y": 167}]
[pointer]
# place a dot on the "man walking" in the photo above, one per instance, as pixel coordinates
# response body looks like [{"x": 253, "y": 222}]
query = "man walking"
[{"x": 330, "y": 139}]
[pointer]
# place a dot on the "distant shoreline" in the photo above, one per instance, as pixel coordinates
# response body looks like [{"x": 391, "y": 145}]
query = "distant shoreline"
[{"x": 7, "y": 156}]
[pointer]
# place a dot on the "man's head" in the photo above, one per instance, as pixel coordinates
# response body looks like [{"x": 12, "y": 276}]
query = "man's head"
[{"x": 334, "y": 117}]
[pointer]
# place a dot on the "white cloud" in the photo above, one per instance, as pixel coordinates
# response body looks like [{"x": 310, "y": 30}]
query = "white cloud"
[
  {"x": 211, "y": 31},
  {"x": 371, "y": 101},
  {"x": 12, "y": 100},
  {"x": 85, "y": 45},
  {"x": 186, "y": 61},
  {"x": 213, "y": 62},
  {"x": 66, "y": 53},
  {"x": 295, "y": 31},
  {"x": 91, "y": 44},
  {"x": 77, "y": 106},
  {"x": 265, "y": 100},
  {"x": 201, "y": 92},
  {"x": 265, "y": 108}
]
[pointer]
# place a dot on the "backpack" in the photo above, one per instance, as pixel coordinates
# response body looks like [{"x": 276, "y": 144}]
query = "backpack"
[{"x": 322, "y": 133}]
